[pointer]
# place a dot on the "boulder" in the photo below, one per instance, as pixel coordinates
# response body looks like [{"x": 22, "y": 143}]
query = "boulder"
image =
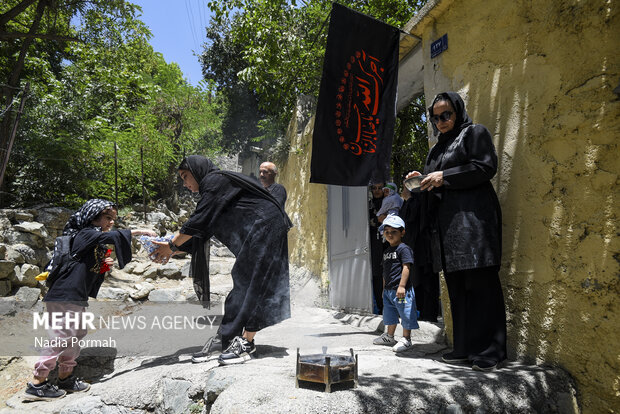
[
  {"x": 7, "y": 269},
  {"x": 26, "y": 275},
  {"x": 150, "y": 273},
  {"x": 26, "y": 297},
  {"x": 140, "y": 268},
  {"x": 23, "y": 216},
  {"x": 167, "y": 295},
  {"x": 38, "y": 229},
  {"x": 112, "y": 293},
  {"x": 54, "y": 217},
  {"x": 170, "y": 271},
  {"x": 5, "y": 287},
  {"x": 186, "y": 269},
  {"x": 8, "y": 306},
  {"x": 142, "y": 290},
  {"x": 3, "y": 248},
  {"x": 22, "y": 253},
  {"x": 14, "y": 237},
  {"x": 129, "y": 267},
  {"x": 172, "y": 396}
]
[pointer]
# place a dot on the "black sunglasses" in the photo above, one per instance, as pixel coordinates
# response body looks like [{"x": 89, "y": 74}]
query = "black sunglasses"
[{"x": 444, "y": 116}]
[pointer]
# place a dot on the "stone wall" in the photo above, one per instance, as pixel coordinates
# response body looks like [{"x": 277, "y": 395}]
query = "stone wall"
[
  {"x": 306, "y": 204},
  {"x": 540, "y": 75}
]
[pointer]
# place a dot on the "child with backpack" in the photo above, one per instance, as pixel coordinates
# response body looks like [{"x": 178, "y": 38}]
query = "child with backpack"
[{"x": 79, "y": 277}]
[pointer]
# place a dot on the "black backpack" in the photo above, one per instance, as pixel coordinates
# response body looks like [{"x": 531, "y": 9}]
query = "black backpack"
[{"x": 61, "y": 258}]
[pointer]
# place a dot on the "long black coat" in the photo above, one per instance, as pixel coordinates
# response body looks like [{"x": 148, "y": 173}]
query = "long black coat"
[
  {"x": 464, "y": 213},
  {"x": 252, "y": 224}
]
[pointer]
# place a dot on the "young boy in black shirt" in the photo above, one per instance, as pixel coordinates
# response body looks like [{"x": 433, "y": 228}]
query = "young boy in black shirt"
[{"x": 398, "y": 296}]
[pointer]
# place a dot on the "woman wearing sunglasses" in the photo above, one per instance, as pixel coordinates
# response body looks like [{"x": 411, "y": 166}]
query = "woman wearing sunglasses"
[{"x": 462, "y": 212}]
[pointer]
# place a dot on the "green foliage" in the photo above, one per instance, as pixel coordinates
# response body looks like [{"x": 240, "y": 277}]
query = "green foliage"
[
  {"x": 111, "y": 90},
  {"x": 410, "y": 143},
  {"x": 273, "y": 51}
]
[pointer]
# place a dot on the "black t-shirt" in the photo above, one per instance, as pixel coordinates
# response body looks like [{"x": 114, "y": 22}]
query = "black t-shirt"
[{"x": 393, "y": 260}]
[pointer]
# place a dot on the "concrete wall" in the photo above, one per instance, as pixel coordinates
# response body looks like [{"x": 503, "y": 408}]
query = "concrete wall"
[
  {"x": 540, "y": 75},
  {"x": 306, "y": 204}
]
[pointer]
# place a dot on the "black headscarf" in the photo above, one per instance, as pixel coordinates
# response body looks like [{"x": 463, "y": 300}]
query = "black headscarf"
[
  {"x": 201, "y": 166},
  {"x": 83, "y": 218},
  {"x": 462, "y": 118}
]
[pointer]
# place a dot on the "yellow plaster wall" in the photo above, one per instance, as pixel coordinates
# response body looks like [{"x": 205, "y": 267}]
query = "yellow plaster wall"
[
  {"x": 540, "y": 76},
  {"x": 306, "y": 204}
]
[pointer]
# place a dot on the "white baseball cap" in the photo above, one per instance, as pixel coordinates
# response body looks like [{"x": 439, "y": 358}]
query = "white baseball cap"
[{"x": 393, "y": 221}]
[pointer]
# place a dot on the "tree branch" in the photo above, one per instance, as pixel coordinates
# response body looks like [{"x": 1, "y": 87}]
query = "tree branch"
[
  {"x": 17, "y": 35},
  {"x": 5, "y": 17}
]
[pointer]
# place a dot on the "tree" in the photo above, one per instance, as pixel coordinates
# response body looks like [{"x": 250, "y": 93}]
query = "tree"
[
  {"x": 49, "y": 31},
  {"x": 275, "y": 50}
]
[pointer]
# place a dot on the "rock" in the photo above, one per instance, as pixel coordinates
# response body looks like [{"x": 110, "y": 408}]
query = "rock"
[
  {"x": 33, "y": 227},
  {"x": 170, "y": 271},
  {"x": 143, "y": 290},
  {"x": 23, "y": 216},
  {"x": 28, "y": 253},
  {"x": 14, "y": 237},
  {"x": 8, "y": 306},
  {"x": 172, "y": 396},
  {"x": 7, "y": 269},
  {"x": 112, "y": 293},
  {"x": 167, "y": 295},
  {"x": 3, "y": 251},
  {"x": 92, "y": 404},
  {"x": 150, "y": 273},
  {"x": 185, "y": 269},
  {"x": 157, "y": 217},
  {"x": 15, "y": 256},
  {"x": 54, "y": 217},
  {"x": 43, "y": 256},
  {"x": 140, "y": 268},
  {"x": 26, "y": 275},
  {"x": 26, "y": 297},
  {"x": 5, "y": 287},
  {"x": 129, "y": 267}
]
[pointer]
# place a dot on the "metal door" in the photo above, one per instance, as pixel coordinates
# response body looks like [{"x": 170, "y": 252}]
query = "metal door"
[{"x": 350, "y": 280}]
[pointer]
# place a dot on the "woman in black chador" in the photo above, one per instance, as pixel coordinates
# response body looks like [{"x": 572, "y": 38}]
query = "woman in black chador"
[
  {"x": 252, "y": 224},
  {"x": 463, "y": 214}
]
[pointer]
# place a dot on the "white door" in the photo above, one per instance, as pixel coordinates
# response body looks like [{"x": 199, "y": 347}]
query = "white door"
[{"x": 350, "y": 280}]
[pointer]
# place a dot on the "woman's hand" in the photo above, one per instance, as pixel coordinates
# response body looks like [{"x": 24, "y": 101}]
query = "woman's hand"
[
  {"x": 163, "y": 252},
  {"x": 432, "y": 180},
  {"x": 149, "y": 233}
]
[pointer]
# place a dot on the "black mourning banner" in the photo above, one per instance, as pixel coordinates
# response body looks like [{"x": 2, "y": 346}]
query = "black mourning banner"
[{"x": 352, "y": 141}]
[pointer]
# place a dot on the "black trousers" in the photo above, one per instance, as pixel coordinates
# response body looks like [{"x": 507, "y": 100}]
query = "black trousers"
[
  {"x": 478, "y": 313},
  {"x": 376, "y": 257},
  {"x": 426, "y": 293}
]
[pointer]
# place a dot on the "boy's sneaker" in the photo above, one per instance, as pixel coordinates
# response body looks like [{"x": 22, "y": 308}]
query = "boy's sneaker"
[
  {"x": 239, "y": 351},
  {"x": 43, "y": 392},
  {"x": 73, "y": 384},
  {"x": 211, "y": 350},
  {"x": 402, "y": 345},
  {"x": 384, "y": 339}
]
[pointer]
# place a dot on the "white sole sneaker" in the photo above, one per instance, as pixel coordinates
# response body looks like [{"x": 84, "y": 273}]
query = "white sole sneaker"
[{"x": 240, "y": 360}]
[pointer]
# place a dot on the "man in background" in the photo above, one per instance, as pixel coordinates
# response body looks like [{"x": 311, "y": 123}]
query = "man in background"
[{"x": 267, "y": 174}]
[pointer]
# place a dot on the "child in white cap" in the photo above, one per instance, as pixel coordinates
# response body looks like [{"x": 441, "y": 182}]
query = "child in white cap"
[{"x": 398, "y": 296}]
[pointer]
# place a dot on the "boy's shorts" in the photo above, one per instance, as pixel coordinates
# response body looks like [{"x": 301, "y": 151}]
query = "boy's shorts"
[{"x": 393, "y": 308}]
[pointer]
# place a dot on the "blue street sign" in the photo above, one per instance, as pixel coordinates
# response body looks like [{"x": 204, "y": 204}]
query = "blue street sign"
[{"x": 439, "y": 45}]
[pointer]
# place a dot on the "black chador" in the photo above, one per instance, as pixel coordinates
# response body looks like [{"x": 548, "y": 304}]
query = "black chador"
[{"x": 252, "y": 224}]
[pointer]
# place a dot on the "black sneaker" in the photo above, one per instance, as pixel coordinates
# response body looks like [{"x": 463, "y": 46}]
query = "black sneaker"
[
  {"x": 211, "y": 350},
  {"x": 43, "y": 392},
  {"x": 452, "y": 358},
  {"x": 485, "y": 365},
  {"x": 73, "y": 384},
  {"x": 239, "y": 351}
]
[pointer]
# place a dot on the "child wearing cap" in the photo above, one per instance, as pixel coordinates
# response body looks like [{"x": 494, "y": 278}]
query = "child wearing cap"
[
  {"x": 391, "y": 203},
  {"x": 398, "y": 296}
]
